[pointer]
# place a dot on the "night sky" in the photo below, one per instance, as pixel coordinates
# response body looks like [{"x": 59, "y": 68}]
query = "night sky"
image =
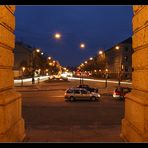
[{"x": 96, "y": 26}]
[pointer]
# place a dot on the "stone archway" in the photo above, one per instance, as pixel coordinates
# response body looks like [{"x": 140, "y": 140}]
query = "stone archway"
[
  {"x": 11, "y": 122},
  {"x": 135, "y": 122}
]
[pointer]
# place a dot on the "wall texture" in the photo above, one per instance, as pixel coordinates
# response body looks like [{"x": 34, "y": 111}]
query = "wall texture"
[
  {"x": 11, "y": 121},
  {"x": 135, "y": 122}
]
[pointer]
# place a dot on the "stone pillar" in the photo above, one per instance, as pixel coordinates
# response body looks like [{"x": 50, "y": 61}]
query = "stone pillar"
[
  {"x": 135, "y": 122},
  {"x": 11, "y": 121}
]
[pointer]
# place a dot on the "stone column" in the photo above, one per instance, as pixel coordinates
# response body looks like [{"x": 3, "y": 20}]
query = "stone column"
[
  {"x": 135, "y": 122},
  {"x": 11, "y": 121}
]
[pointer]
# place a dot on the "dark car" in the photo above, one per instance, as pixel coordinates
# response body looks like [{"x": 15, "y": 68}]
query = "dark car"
[
  {"x": 120, "y": 92},
  {"x": 88, "y": 88}
]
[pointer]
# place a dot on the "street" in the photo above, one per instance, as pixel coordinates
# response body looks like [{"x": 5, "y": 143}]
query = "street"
[{"x": 48, "y": 118}]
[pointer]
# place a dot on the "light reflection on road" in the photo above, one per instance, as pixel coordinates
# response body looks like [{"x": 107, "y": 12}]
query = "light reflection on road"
[{"x": 95, "y": 80}]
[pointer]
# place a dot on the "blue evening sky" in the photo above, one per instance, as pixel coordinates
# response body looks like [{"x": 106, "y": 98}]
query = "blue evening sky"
[{"x": 96, "y": 26}]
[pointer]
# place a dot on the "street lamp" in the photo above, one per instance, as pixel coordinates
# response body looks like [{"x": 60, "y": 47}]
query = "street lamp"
[
  {"x": 33, "y": 62},
  {"x": 100, "y": 52},
  {"x": 57, "y": 36},
  {"x": 106, "y": 76},
  {"x": 91, "y": 58},
  {"x": 85, "y": 62},
  {"x": 117, "y": 47},
  {"x": 120, "y": 66},
  {"x": 42, "y": 53},
  {"x": 23, "y": 69},
  {"x": 38, "y": 50},
  {"x": 49, "y": 58},
  {"x": 82, "y": 45}
]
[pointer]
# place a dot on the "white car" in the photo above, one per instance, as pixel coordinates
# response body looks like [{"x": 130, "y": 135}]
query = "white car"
[{"x": 73, "y": 94}]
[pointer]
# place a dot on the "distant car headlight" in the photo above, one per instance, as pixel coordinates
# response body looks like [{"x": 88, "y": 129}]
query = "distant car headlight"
[{"x": 99, "y": 95}]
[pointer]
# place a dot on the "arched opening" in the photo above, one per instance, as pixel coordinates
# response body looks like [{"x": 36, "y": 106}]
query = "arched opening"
[{"x": 135, "y": 122}]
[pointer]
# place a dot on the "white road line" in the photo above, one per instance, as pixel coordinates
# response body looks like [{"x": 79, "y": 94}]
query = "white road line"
[
  {"x": 103, "y": 81},
  {"x": 42, "y": 78}
]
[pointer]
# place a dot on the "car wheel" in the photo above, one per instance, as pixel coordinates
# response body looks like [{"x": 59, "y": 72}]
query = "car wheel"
[
  {"x": 93, "y": 98},
  {"x": 72, "y": 98}
]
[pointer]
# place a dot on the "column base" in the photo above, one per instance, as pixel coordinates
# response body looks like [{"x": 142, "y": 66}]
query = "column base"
[
  {"x": 11, "y": 121},
  {"x": 135, "y": 123},
  {"x": 15, "y": 134}
]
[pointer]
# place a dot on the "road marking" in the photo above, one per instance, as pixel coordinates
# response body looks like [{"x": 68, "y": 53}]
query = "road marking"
[{"x": 109, "y": 81}]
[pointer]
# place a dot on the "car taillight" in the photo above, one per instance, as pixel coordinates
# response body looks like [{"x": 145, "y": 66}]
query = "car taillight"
[{"x": 117, "y": 93}]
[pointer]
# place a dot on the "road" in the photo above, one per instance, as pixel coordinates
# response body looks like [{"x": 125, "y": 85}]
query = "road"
[{"x": 48, "y": 118}]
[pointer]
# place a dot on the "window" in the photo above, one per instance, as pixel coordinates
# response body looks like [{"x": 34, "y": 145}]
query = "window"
[
  {"x": 126, "y": 49},
  {"x": 76, "y": 91},
  {"x": 83, "y": 91},
  {"x": 70, "y": 91},
  {"x": 126, "y": 69},
  {"x": 126, "y": 58},
  {"x": 126, "y": 90}
]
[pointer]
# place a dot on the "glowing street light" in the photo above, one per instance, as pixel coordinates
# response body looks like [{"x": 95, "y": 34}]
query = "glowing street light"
[
  {"x": 100, "y": 52},
  {"x": 49, "y": 58},
  {"x": 86, "y": 62},
  {"x": 117, "y": 47},
  {"x": 42, "y": 53},
  {"x": 82, "y": 45},
  {"x": 23, "y": 69},
  {"x": 91, "y": 58},
  {"x": 50, "y": 64},
  {"x": 106, "y": 70},
  {"x": 38, "y": 50},
  {"x": 82, "y": 64},
  {"x": 57, "y": 35}
]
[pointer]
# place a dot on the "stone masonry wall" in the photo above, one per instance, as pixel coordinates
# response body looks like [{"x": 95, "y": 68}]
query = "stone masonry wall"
[{"x": 11, "y": 122}]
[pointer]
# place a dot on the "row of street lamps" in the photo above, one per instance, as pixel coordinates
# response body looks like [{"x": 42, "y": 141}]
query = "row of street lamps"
[{"x": 101, "y": 53}]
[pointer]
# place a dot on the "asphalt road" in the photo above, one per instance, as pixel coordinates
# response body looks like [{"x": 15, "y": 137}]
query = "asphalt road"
[{"x": 48, "y": 118}]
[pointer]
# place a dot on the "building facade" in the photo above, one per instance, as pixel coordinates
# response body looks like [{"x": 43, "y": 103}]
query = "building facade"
[
  {"x": 119, "y": 60},
  {"x": 22, "y": 57}
]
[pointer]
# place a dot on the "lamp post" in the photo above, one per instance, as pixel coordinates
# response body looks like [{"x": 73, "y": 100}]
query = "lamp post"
[
  {"x": 23, "y": 69},
  {"x": 106, "y": 76},
  {"x": 120, "y": 66},
  {"x": 33, "y": 63},
  {"x": 82, "y": 45},
  {"x": 57, "y": 35}
]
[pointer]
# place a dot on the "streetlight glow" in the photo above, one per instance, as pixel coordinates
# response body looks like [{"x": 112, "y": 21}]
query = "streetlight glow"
[
  {"x": 82, "y": 45},
  {"x": 23, "y": 68},
  {"x": 100, "y": 52},
  {"x": 91, "y": 58},
  {"x": 106, "y": 70},
  {"x": 42, "y": 53},
  {"x": 85, "y": 62},
  {"x": 117, "y": 47},
  {"x": 38, "y": 50},
  {"x": 82, "y": 64},
  {"x": 57, "y": 35},
  {"x": 49, "y": 58}
]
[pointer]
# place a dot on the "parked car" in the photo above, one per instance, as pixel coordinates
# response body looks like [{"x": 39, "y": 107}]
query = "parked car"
[
  {"x": 88, "y": 88},
  {"x": 120, "y": 92},
  {"x": 73, "y": 94}
]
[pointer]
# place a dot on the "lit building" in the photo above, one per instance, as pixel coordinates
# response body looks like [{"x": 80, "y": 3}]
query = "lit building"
[
  {"x": 119, "y": 60},
  {"x": 22, "y": 57}
]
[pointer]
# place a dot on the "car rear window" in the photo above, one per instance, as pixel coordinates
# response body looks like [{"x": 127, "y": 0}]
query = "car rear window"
[
  {"x": 83, "y": 91},
  {"x": 126, "y": 90},
  {"x": 76, "y": 91},
  {"x": 69, "y": 91}
]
